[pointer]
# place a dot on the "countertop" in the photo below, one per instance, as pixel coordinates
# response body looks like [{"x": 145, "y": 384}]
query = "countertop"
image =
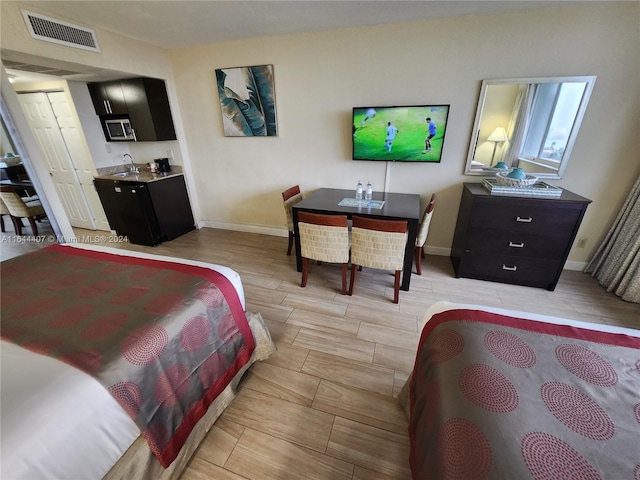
[{"x": 144, "y": 176}]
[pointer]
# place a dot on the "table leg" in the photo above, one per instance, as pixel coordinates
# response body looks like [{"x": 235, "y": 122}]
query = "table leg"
[
  {"x": 296, "y": 232},
  {"x": 412, "y": 227}
]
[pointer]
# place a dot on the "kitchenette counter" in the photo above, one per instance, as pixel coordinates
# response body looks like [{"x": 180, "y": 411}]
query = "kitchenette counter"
[
  {"x": 148, "y": 208},
  {"x": 143, "y": 176}
]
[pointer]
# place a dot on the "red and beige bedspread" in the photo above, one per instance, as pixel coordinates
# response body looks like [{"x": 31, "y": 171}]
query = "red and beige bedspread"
[
  {"x": 495, "y": 396},
  {"x": 164, "y": 338}
]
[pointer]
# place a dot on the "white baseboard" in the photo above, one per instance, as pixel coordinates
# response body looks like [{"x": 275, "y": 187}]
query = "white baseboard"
[
  {"x": 437, "y": 251},
  {"x": 237, "y": 227},
  {"x": 577, "y": 266},
  {"x": 283, "y": 232}
]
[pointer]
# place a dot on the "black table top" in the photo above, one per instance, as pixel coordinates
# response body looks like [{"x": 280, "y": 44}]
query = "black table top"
[
  {"x": 396, "y": 205},
  {"x": 17, "y": 183}
]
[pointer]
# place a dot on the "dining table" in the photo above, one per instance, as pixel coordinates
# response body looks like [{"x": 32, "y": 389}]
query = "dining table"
[
  {"x": 24, "y": 188},
  {"x": 383, "y": 205}
]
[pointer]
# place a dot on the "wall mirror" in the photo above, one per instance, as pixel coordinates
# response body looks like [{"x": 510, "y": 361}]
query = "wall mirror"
[{"x": 531, "y": 123}]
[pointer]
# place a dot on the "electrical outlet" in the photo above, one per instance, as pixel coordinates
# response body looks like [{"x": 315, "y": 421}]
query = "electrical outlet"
[
  {"x": 108, "y": 147},
  {"x": 170, "y": 154},
  {"x": 582, "y": 242}
]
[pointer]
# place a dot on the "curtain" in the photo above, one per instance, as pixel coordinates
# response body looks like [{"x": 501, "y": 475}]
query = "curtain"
[
  {"x": 518, "y": 123},
  {"x": 616, "y": 263}
]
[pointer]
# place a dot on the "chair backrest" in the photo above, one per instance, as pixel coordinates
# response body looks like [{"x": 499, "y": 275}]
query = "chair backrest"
[
  {"x": 3, "y": 208},
  {"x": 423, "y": 229},
  {"x": 378, "y": 243},
  {"x": 290, "y": 192},
  {"x": 290, "y": 197},
  {"x": 14, "y": 203},
  {"x": 324, "y": 237}
]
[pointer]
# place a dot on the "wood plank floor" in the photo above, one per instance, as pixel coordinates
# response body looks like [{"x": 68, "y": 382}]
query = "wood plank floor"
[{"x": 324, "y": 405}]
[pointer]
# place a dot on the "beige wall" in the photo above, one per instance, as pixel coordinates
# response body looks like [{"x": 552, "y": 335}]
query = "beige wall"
[{"x": 319, "y": 77}]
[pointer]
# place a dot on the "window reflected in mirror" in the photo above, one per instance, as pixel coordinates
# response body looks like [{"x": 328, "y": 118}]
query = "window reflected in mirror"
[{"x": 527, "y": 123}]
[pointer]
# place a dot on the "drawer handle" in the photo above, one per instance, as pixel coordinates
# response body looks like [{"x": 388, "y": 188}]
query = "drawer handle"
[
  {"x": 524, "y": 220},
  {"x": 510, "y": 269},
  {"x": 516, "y": 245}
]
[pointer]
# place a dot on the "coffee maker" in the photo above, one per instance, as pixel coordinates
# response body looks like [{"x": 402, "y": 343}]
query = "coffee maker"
[{"x": 163, "y": 165}]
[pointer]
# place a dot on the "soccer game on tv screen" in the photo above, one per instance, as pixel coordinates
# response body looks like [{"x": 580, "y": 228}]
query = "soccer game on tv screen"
[{"x": 399, "y": 134}]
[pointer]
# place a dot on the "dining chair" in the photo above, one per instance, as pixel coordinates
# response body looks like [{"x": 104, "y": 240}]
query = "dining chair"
[
  {"x": 4, "y": 211},
  {"x": 290, "y": 197},
  {"x": 378, "y": 244},
  {"x": 324, "y": 238},
  {"x": 19, "y": 209},
  {"x": 423, "y": 231}
]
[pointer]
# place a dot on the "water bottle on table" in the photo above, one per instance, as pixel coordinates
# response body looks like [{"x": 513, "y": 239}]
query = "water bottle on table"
[
  {"x": 359, "y": 191},
  {"x": 369, "y": 193}
]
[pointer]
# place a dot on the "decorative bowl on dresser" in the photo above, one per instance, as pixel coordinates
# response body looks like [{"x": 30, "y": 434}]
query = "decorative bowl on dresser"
[{"x": 522, "y": 240}]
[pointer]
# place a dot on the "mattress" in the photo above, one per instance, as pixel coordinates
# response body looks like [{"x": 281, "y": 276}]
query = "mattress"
[{"x": 81, "y": 431}]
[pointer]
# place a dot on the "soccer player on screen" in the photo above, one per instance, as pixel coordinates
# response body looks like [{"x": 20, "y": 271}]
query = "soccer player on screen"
[
  {"x": 371, "y": 113},
  {"x": 431, "y": 132},
  {"x": 392, "y": 131}
]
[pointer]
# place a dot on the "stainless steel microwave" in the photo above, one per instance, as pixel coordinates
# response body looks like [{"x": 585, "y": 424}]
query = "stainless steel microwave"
[{"x": 119, "y": 129}]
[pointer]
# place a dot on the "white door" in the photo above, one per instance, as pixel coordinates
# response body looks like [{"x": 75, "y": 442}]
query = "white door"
[
  {"x": 79, "y": 154},
  {"x": 43, "y": 123}
]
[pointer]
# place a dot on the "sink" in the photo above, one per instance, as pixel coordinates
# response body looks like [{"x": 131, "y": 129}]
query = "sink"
[{"x": 121, "y": 174}]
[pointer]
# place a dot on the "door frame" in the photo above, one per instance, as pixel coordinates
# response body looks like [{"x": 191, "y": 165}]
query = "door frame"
[{"x": 16, "y": 139}]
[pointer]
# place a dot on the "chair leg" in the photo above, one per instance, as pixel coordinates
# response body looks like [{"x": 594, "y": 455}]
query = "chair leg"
[
  {"x": 352, "y": 280},
  {"x": 2, "y": 223},
  {"x": 305, "y": 271},
  {"x": 290, "y": 243},
  {"x": 34, "y": 227},
  {"x": 396, "y": 286},
  {"x": 344, "y": 278},
  {"x": 17, "y": 224},
  {"x": 418, "y": 256}
]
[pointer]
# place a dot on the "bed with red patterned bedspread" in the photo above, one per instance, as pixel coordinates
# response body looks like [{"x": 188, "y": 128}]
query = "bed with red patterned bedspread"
[
  {"x": 499, "y": 396},
  {"x": 164, "y": 338}
]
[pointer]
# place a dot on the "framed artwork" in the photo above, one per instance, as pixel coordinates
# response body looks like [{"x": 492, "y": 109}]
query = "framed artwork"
[{"x": 247, "y": 101}]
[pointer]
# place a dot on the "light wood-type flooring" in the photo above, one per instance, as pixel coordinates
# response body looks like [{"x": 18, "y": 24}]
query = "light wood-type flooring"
[{"x": 324, "y": 405}]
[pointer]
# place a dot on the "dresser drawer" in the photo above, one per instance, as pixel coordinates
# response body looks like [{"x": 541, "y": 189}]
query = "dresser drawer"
[
  {"x": 513, "y": 238},
  {"x": 542, "y": 219},
  {"x": 517, "y": 244},
  {"x": 522, "y": 271}
]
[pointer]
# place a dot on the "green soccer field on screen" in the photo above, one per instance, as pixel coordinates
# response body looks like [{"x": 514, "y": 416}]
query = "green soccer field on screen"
[{"x": 399, "y": 134}]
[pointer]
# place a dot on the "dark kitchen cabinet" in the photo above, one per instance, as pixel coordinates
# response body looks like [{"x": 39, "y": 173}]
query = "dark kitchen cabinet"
[
  {"x": 148, "y": 213},
  {"x": 108, "y": 98},
  {"x": 143, "y": 101},
  {"x": 515, "y": 239}
]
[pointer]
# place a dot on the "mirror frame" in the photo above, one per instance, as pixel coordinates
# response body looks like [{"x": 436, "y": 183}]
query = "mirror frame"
[{"x": 589, "y": 80}]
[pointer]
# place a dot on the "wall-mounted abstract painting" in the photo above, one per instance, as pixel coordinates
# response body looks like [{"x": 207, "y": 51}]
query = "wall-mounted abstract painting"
[{"x": 247, "y": 101}]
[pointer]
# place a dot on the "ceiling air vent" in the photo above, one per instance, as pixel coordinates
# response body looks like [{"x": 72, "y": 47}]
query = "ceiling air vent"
[{"x": 56, "y": 31}]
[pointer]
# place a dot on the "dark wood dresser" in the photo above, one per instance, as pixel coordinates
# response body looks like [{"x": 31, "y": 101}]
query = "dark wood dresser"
[{"x": 515, "y": 239}]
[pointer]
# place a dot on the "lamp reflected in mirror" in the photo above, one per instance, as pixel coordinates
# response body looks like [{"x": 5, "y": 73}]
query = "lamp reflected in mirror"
[
  {"x": 528, "y": 123},
  {"x": 499, "y": 135}
]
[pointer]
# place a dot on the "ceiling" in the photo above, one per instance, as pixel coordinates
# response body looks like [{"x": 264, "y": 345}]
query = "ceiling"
[{"x": 174, "y": 24}]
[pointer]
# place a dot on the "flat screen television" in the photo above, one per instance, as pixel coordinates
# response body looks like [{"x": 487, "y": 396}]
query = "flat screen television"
[{"x": 410, "y": 133}]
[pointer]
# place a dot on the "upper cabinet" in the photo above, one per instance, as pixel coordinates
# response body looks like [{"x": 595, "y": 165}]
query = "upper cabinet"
[
  {"x": 108, "y": 98},
  {"x": 143, "y": 101}
]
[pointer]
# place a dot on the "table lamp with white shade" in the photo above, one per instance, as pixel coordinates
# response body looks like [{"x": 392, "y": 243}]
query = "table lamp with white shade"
[{"x": 499, "y": 135}]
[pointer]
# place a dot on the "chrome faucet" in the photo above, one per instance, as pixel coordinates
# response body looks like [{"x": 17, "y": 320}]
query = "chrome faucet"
[{"x": 132, "y": 168}]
